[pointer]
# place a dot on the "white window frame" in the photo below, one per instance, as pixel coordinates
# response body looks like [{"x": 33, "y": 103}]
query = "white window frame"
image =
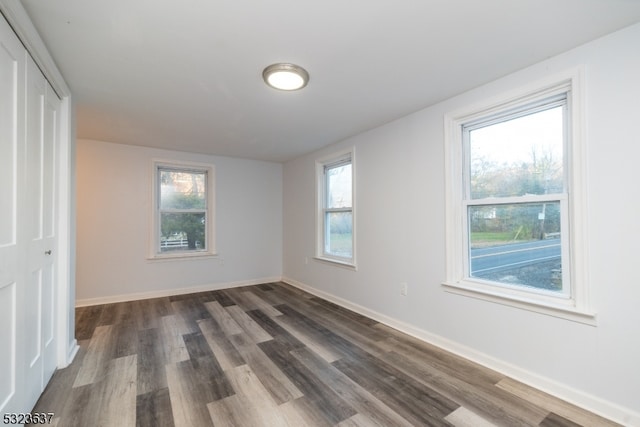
[
  {"x": 575, "y": 304},
  {"x": 342, "y": 157},
  {"x": 154, "y": 241}
]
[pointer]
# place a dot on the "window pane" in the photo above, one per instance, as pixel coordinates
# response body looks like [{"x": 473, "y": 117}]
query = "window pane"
[
  {"x": 339, "y": 234},
  {"x": 520, "y": 156},
  {"x": 339, "y": 187},
  {"x": 182, "y": 189},
  {"x": 517, "y": 244},
  {"x": 182, "y": 231}
]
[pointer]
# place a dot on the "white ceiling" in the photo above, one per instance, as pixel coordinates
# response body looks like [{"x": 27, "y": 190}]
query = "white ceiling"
[{"x": 186, "y": 75}]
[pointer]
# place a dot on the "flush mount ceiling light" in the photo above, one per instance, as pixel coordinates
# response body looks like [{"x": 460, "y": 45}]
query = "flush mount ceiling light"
[{"x": 285, "y": 76}]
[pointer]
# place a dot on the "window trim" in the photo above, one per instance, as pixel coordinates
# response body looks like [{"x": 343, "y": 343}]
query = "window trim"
[
  {"x": 577, "y": 307},
  {"x": 154, "y": 240},
  {"x": 335, "y": 159}
]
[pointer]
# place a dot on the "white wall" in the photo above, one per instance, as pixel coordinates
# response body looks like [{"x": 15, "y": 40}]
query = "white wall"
[
  {"x": 113, "y": 197},
  {"x": 401, "y": 238}
]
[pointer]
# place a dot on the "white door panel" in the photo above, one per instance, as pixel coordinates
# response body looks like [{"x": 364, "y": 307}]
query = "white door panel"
[
  {"x": 34, "y": 156},
  {"x": 35, "y": 211},
  {"x": 29, "y": 117},
  {"x": 31, "y": 328},
  {"x": 12, "y": 271},
  {"x": 11, "y": 71},
  {"x": 49, "y": 359},
  {"x": 51, "y": 133},
  {"x": 8, "y": 349}
]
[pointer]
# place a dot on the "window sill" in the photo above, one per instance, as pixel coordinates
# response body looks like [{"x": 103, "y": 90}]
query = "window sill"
[
  {"x": 182, "y": 256},
  {"x": 547, "y": 307},
  {"x": 337, "y": 262}
]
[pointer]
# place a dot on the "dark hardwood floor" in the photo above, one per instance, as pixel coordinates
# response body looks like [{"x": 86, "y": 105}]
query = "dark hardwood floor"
[{"x": 272, "y": 355}]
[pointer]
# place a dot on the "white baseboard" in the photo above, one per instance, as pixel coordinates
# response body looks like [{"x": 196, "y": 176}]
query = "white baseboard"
[
  {"x": 170, "y": 292},
  {"x": 604, "y": 408},
  {"x": 71, "y": 353}
]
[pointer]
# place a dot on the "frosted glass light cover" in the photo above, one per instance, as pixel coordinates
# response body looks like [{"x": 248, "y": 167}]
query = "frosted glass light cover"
[{"x": 285, "y": 76}]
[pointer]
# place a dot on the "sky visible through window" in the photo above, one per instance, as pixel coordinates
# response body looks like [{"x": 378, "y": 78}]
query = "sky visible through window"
[{"x": 514, "y": 140}]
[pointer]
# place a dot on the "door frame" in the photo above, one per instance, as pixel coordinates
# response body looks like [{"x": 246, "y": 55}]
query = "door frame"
[{"x": 18, "y": 19}]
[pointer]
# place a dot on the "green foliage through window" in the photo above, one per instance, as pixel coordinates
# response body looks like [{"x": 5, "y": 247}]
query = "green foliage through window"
[{"x": 183, "y": 209}]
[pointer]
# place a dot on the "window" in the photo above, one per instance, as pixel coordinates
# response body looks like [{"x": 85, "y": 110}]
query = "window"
[
  {"x": 336, "y": 209},
  {"x": 514, "y": 195},
  {"x": 183, "y": 219}
]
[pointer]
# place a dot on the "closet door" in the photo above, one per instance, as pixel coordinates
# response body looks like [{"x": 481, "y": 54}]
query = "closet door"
[
  {"x": 12, "y": 249},
  {"x": 40, "y": 231},
  {"x": 29, "y": 117}
]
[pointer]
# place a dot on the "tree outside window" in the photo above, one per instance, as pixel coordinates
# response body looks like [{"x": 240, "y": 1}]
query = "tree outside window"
[
  {"x": 515, "y": 195},
  {"x": 182, "y": 208}
]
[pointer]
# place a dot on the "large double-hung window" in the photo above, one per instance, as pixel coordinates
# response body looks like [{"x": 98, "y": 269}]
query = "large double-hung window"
[
  {"x": 515, "y": 229},
  {"x": 515, "y": 197}
]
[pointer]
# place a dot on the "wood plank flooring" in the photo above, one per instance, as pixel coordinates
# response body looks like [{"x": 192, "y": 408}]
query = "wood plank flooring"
[{"x": 272, "y": 355}]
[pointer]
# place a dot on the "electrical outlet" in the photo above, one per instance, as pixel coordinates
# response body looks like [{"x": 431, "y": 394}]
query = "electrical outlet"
[{"x": 404, "y": 288}]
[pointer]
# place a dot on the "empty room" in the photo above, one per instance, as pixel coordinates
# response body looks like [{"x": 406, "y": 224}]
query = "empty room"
[{"x": 296, "y": 213}]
